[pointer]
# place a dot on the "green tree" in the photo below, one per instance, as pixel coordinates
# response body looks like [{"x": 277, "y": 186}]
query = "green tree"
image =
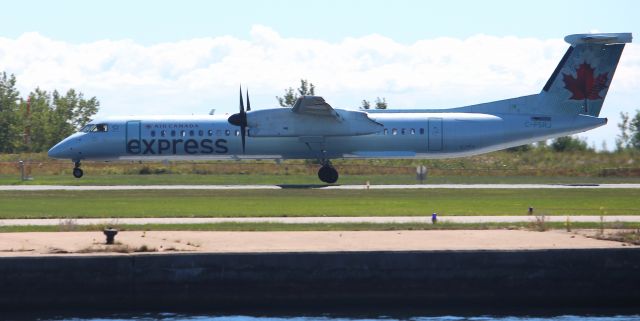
[
  {"x": 290, "y": 95},
  {"x": 381, "y": 103},
  {"x": 569, "y": 144},
  {"x": 634, "y": 129},
  {"x": 623, "y": 141},
  {"x": 53, "y": 116},
  {"x": 37, "y": 120},
  {"x": 629, "y": 137},
  {"x": 9, "y": 129},
  {"x": 73, "y": 110},
  {"x": 37, "y": 123}
]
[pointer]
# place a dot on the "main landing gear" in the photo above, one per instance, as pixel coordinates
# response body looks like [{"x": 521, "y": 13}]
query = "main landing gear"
[
  {"x": 327, "y": 173},
  {"x": 77, "y": 172}
]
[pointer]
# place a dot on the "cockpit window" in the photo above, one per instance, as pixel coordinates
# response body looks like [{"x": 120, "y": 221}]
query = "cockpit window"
[
  {"x": 95, "y": 128},
  {"x": 87, "y": 128}
]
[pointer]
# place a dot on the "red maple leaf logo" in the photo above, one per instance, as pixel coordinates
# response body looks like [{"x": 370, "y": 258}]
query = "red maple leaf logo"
[{"x": 585, "y": 86}]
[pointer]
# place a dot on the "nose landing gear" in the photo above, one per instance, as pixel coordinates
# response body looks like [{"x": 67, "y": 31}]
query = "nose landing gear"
[
  {"x": 327, "y": 173},
  {"x": 77, "y": 172}
]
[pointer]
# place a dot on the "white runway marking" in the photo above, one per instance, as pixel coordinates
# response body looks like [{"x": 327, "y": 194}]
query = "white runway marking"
[
  {"x": 322, "y": 187},
  {"x": 316, "y": 220}
]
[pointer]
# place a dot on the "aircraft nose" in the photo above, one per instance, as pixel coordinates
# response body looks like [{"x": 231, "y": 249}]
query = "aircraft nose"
[
  {"x": 64, "y": 149},
  {"x": 57, "y": 151}
]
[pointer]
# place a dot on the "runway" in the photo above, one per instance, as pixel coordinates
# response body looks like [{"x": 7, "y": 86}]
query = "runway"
[
  {"x": 319, "y": 187},
  {"x": 314, "y": 220}
]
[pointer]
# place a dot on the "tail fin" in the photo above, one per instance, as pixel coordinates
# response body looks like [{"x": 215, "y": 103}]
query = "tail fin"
[{"x": 581, "y": 80}]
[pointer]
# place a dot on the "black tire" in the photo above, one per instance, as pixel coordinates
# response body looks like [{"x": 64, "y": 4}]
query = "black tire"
[
  {"x": 77, "y": 172},
  {"x": 322, "y": 174},
  {"x": 328, "y": 174}
]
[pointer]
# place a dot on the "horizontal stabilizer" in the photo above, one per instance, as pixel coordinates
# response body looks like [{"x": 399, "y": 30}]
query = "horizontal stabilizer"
[{"x": 598, "y": 38}]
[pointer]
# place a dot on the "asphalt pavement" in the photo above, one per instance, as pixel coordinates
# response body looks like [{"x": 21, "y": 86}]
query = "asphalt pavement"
[{"x": 322, "y": 187}]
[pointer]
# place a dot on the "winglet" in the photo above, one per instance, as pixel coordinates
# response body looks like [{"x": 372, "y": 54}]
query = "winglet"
[{"x": 598, "y": 38}]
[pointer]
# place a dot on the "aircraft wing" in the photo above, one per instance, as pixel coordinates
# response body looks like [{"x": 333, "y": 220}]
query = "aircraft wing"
[
  {"x": 310, "y": 116},
  {"x": 314, "y": 105}
]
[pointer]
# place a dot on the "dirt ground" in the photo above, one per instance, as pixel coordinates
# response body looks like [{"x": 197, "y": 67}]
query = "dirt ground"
[{"x": 85, "y": 243}]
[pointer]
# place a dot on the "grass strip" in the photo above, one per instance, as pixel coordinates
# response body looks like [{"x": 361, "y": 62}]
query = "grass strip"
[{"x": 316, "y": 203}]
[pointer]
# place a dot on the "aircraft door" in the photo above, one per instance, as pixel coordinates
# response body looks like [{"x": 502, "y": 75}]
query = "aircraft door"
[
  {"x": 435, "y": 134},
  {"x": 133, "y": 130}
]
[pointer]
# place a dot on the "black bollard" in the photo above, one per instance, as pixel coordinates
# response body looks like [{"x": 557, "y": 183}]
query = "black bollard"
[{"x": 111, "y": 234}]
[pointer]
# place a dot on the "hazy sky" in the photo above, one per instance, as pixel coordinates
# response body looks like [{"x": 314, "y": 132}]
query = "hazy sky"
[{"x": 184, "y": 57}]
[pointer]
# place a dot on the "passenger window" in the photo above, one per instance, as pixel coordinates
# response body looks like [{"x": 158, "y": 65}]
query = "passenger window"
[
  {"x": 227, "y": 132},
  {"x": 402, "y": 131},
  {"x": 173, "y": 133},
  {"x": 394, "y": 132},
  {"x": 191, "y": 133},
  {"x": 210, "y": 132},
  {"x": 413, "y": 131},
  {"x": 163, "y": 133},
  {"x": 200, "y": 133},
  {"x": 386, "y": 131},
  {"x": 153, "y": 133},
  {"x": 183, "y": 133},
  {"x": 421, "y": 131},
  {"x": 237, "y": 133}
]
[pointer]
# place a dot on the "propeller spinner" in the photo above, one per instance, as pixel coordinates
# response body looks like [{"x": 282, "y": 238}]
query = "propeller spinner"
[{"x": 240, "y": 119}]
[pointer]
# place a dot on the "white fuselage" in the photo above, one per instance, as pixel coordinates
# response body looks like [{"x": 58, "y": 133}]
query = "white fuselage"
[
  {"x": 401, "y": 135},
  {"x": 570, "y": 102}
]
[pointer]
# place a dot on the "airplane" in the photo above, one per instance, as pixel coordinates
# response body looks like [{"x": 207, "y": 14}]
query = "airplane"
[{"x": 569, "y": 103}]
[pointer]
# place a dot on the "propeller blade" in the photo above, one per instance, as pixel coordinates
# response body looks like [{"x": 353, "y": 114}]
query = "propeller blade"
[
  {"x": 240, "y": 119},
  {"x": 241, "y": 102},
  {"x": 243, "y": 129},
  {"x": 248, "y": 104},
  {"x": 243, "y": 132}
]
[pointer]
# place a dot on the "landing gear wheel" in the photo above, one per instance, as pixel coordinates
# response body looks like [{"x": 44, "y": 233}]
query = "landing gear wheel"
[
  {"x": 328, "y": 174},
  {"x": 77, "y": 172}
]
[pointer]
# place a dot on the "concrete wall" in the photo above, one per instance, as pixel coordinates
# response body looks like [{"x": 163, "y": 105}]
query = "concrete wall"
[{"x": 581, "y": 278}]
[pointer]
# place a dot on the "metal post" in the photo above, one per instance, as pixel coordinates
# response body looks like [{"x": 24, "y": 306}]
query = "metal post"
[
  {"x": 110, "y": 233},
  {"x": 21, "y": 165},
  {"x": 421, "y": 173}
]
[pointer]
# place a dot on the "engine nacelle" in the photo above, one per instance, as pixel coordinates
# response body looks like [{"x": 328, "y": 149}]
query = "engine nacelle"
[{"x": 286, "y": 123}]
